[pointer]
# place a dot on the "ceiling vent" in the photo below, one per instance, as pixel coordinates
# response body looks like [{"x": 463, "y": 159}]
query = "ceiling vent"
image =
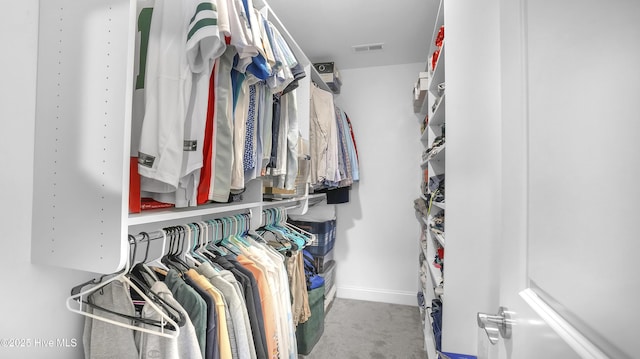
[{"x": 368, "y": 47}]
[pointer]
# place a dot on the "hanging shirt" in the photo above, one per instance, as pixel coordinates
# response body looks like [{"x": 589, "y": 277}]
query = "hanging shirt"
[
  {"x": 208, "y": 146},
  {"x": 212, "y": 340},
  {"x": 240, "y": 111},
  {"x": 183, "y": 40},
  {"x": 275, "y": 128},
  {"x": 184, "y": 346},
  {"x": 261, "y": 261},
  {"x": 193, "y": 304},
  {"x": 281, "y": 143},
  {"x": 274, "y": 261},
  {"x": 264, "y": 46},
  {"x": 353, "y": 150},
  {"x": 220, "y": 309},
  {"x": 266, "y": 42},
  {"x": 253, "y": 300},
  {"x": 223, "y": 155},
  {"x": 298, "y": 287},
  {"x": 266, "y": 303},
  {"x": 237, "y": 310},
  {"x": 105, "y": 340},
  {"x": 267, "y": 127},
  {"x": 143, "y": 27},
  {"x": 323, "y": 139},
  {"x": 281, "y": 75},
  {"x": 249, "y": 159},
  {"x": 344, "y": 161},
  {"x": 224, "y": 23},
  {"x": 293, "y": 133},
  {"x": 255, "y": 170},
  {"x": 241, "y": 37}
]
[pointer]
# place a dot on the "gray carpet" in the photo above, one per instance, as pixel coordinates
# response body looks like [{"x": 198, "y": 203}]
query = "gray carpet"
[{"x": 367, "y": 330}]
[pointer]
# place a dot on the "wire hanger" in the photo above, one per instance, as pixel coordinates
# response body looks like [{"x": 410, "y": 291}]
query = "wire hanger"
[
  {"x": 141, "y": 270},
  {"x": 215, "y": 237},
  {"x": 194, "y": 233},
  {"x": 176, "y": 241},
  {"x": 137, "y": 275},
  {"x": 226, "y": 234},
  {"x": 201, "y": 241},
  {"x": 237, "y": 238},
  {"x": 211, "y": 233},
  {"x": 156, "y": 262}
]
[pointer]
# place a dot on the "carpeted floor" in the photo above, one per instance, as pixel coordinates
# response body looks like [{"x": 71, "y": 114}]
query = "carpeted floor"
[{"x": 367, "y": 330}]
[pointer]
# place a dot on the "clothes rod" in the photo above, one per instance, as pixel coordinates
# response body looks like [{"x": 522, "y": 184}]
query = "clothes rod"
[{"x": 150, "y": 236}]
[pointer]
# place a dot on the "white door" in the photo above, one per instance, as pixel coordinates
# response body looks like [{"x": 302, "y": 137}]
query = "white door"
[{"x": 570, "y": 250}]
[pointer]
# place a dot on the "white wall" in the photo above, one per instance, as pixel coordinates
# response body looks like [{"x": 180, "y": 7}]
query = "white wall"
[
  {"x": 33, "y": 296},
  {"x": 376, "y": 247}
]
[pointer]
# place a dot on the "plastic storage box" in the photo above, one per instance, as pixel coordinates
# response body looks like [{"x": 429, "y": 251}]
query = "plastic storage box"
[
  {"x": 329, "y": 275},
  {"x": 322, "y": 262},
  {"x": 330, "y": 289},
  {"x": 325, "y": 235}
]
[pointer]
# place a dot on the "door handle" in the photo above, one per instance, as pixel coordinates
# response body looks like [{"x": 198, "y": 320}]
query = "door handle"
[{"x": 496, "y": 325}]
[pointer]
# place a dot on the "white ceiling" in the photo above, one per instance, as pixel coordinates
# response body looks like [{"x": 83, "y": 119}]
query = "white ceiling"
[{"x": 327, "y": 30}]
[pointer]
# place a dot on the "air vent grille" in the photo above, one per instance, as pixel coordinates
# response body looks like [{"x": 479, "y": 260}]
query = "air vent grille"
[{"x": 368, "y": 47}]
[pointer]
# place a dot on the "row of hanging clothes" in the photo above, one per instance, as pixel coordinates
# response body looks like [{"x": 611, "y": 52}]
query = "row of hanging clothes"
[
  {"x": 213, "y": 289},
  {"x": 334, "y": 154},
  {"x": 214, "y": 102}
]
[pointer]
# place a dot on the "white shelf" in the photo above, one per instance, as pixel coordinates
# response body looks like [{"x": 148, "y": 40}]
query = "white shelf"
[
  {"x": 439, "y": 204},
  {"x": 439, "y": 292},
  {"x": 421, "y": 105},
  {"x": 160, "y": 215},
  {"x": 424, "y": 136},
  {"x": 438, "y": 116},
  {"x": 439, "y": 22},
  {"x": 439, "y": 237},
  {"x": 435, "y": 273},
  {"x": 287, "y": 202},
  {"x": 439, "y": 156},
  {"x": 316, "y": 198},
  {"x": 436, "y": 276},
  {"x": 424, "y": 245},
  {"x": 425, "y": 221},
  {"x": 438, "y": 73}
]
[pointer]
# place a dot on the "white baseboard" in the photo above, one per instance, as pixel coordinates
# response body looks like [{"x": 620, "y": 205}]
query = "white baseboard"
[{"x": 378, "y": 295}]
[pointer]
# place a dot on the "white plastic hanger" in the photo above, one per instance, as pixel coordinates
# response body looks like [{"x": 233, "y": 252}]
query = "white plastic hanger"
[
  {"x": 80, "y": 306},
  {"x": 204, "y": 240},
  {"x": 194, "y": 232},
  {"x": 309, "y": 237}
]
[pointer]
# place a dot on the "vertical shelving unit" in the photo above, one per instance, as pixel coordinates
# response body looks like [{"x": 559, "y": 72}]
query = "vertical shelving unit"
[
  {"x": 468, "y": 235},
  {"x": 430, "y": 109}
]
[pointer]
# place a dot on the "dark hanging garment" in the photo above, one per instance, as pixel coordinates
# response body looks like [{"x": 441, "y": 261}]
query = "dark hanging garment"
[{"x": 275, "y": 128}]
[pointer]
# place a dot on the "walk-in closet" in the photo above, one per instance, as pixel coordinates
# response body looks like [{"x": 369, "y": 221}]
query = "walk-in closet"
[{"x": 246, "y": 179}]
